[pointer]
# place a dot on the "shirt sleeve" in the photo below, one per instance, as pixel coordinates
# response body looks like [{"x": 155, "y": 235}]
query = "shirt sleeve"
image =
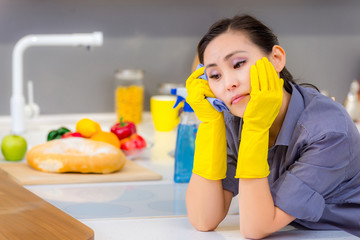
[{"x": 321, "y": 166}]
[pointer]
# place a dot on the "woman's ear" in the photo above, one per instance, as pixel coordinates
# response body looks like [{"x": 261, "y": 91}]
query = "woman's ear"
[{"x": 278, "y": 58}]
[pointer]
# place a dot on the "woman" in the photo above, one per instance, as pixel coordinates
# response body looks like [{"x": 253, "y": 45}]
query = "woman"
[{"x": 290, "y": 153}]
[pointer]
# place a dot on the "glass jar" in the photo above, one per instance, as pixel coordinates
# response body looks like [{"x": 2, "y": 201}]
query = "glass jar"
[{"x": 129, "y": 94}]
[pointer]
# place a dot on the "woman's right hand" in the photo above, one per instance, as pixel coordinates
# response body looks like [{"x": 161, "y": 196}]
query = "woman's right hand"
[
  {"x": 209, "y": 159},
  {"x": 210, "y": 145},
  {"x": 198, "y": 90}
]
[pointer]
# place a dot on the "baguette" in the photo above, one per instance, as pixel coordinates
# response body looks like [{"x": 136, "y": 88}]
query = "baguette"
[{"x": 76, "y": 155}]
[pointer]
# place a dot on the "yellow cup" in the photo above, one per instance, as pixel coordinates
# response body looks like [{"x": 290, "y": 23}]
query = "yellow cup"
[{"x": 165, "y": 117}]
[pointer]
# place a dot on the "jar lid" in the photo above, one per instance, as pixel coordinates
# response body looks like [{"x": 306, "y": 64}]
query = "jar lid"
[{"x": 129, "y": 74}]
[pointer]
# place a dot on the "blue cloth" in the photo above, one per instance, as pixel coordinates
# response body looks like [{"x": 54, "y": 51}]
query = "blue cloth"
[
  {"x": 218, "y": 104},
  {"x": 314, "y": 163}
]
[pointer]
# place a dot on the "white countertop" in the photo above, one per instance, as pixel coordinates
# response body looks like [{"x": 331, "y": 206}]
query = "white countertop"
[{"x": 138, "y": 210}]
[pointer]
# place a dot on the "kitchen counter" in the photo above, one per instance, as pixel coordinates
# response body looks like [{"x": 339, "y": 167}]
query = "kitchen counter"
[{"x": 141, "y": 209}]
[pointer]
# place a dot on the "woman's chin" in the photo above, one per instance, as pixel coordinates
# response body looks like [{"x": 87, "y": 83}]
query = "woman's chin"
[
  {"x": 238, "y": 109},
  {"x": 237, "y": 112}
]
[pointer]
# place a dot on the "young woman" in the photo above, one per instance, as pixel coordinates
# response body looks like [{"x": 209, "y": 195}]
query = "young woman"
[{"x": 292, "y": 154}]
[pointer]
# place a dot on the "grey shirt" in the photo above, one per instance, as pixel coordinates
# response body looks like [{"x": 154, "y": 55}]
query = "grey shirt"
[{"x": 314, "y": 163}]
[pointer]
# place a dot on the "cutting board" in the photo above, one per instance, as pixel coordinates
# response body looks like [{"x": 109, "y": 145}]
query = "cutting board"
[
  {"x": 26, "y": 175},
  {"x": 23, "y": 215}
]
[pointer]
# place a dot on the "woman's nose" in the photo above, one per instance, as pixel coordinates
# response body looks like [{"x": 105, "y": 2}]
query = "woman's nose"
[{"x": 231, "y": 83}]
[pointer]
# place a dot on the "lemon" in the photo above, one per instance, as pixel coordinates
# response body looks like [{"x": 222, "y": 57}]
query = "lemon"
[
  {"x": 87, "y": 127},
  {"x": 107, "y": 137}
]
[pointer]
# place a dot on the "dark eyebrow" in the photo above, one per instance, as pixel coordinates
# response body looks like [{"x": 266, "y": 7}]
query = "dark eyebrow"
[
  {"x": 210, "y": 65},
  {"x": 225, "y": 59}
]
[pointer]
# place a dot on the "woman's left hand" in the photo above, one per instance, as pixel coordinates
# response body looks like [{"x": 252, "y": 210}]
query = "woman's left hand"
[
  {"x": 264, "y": 105},
  {"x": 265, "y": 97}
]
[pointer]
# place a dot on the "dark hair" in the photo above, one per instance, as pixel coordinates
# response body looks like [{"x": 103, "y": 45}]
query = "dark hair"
[{"x": 258, "y": 33}]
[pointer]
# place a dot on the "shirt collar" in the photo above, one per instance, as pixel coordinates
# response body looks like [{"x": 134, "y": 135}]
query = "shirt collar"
[{"x": 295, "y": 109}]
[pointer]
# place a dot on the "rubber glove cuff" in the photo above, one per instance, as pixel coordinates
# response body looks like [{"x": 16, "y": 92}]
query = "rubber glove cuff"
[{"x": 211, "y": 150}]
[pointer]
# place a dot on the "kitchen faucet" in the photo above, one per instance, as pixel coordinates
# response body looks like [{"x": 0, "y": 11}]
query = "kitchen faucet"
[{"x": 17, "y": 101}]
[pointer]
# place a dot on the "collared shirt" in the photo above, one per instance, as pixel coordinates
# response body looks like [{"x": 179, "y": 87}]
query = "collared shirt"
[{"x": 314, "y": 163}]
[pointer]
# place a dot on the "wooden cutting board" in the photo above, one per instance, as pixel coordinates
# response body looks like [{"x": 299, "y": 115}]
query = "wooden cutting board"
[
  {"x": 23, "y": 215},
  {"x": 26, "y": 175}
]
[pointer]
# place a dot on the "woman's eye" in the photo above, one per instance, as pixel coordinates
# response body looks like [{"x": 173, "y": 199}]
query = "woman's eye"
[
  {"x": 239, "y": 64},
  {"x": 214, "y": 76}
]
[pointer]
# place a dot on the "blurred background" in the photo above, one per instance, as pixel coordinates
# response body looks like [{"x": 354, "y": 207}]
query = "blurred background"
[{"x": 321, "y": 40}]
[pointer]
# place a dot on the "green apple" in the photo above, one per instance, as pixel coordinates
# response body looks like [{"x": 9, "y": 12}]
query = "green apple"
[{"x": 13, "y": 147}]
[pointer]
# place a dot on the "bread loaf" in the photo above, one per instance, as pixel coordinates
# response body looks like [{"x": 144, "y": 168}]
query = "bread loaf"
[{"x": 76, "y": 155}]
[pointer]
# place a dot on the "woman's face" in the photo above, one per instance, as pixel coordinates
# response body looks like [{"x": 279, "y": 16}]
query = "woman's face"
[{"x": 227, "y": 61}]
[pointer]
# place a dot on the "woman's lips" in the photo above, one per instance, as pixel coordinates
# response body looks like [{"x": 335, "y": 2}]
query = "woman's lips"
[{"x": 238, "y": 98}]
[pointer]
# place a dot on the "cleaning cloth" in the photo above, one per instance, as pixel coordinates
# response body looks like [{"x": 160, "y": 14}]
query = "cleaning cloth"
[{"x": 218, "y": 104}]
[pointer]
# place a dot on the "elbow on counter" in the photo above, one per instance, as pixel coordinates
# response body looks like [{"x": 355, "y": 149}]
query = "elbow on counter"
[
  {"x": 203, "y": 225},
  {"x": 253, "y": 233}
]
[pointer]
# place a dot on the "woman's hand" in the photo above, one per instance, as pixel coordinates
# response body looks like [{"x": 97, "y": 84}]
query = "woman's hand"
[
  {"x": 198, "y": 90},
  {"x": 265, "y": 97},
  {"x": 258, "y": 215},
  {"x": 209, "y": 159},
  {"x": 264, "y": 106},
  {"x": 210, "y": 144}
]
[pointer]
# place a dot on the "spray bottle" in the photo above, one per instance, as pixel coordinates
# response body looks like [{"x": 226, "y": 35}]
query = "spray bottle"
[{"x": 185, "y": 141}]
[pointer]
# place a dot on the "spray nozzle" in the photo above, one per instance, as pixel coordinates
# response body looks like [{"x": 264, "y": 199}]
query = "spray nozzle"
[
  {"x": 181, "y": 94},
  {"x": 179, "y": 99}
]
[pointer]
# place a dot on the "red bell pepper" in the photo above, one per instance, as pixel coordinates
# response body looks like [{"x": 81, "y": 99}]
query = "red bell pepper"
[
  {"x": 123, "y": 129},
  {"x": 135, "y": 141},
  {"x": 71, "y": 134}
]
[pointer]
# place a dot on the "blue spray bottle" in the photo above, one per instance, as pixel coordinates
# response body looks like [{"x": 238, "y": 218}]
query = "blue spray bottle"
[{"x": 185, "y": 141}]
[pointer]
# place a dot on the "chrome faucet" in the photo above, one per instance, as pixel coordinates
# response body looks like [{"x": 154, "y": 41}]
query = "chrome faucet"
[{"x": 17, "y": 101}]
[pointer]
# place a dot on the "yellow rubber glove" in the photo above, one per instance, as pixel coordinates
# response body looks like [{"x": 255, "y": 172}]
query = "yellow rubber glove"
[
  {"x": 265, "y": 101},
  {"x": 210, "y": 143}
]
